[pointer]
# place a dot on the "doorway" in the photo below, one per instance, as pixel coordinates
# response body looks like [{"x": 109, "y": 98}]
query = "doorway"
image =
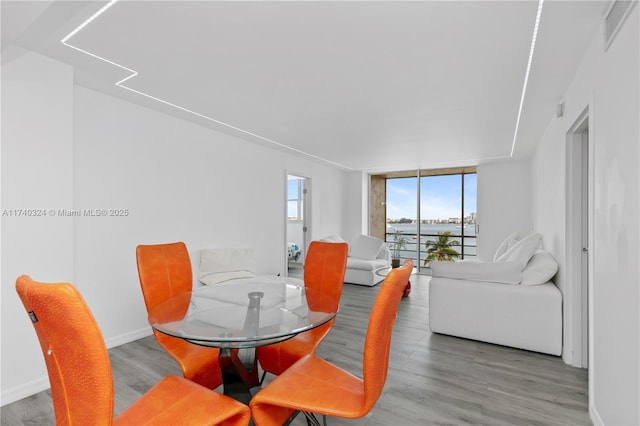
[
  {"x": 578, "y": 220},
  {"x": 297, "y": 223}
]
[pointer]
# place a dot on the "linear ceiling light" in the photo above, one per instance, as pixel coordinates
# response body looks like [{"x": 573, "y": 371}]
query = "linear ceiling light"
[
  {"x": 134, "y": 73},
  {"x": 526, "y": 75}
]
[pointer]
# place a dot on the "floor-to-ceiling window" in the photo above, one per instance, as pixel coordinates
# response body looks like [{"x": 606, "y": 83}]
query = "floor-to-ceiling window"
[{"x": 431, "y": 214}]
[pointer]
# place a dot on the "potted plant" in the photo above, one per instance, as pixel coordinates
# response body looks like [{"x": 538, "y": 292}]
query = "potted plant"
[{"x": 399, "y": 243}]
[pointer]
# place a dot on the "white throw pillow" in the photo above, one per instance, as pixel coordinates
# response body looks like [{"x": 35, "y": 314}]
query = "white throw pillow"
[
  {"x": 523, "y": 250},
  {"x": 366, "y": 247},
  {"x": 508, "y": 242},
  {"x": 218, "y": 265},
  {"x": 540, "y": 269}
]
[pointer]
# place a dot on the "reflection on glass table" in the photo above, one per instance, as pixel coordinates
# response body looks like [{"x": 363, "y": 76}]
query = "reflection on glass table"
[{"x": 240, "y": 315}]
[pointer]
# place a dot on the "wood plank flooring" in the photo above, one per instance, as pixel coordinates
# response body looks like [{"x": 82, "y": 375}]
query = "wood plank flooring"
[{"x": 433, "y": 379}]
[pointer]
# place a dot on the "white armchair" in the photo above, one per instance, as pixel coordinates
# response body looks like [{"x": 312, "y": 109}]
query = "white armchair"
[{"x": 367, "y": 255}]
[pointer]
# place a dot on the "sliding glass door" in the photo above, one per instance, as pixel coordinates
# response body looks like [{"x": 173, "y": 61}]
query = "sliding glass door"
[
  {"x": 402, "y": 213},
  {"x": 447, "y": 217}
]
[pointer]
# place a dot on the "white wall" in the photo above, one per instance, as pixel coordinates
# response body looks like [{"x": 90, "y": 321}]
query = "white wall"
[
  {"x": 177, "y": 180},
  {"x": 607, "y": 84},
  {"x": 504, "y": 203},
  {"x": 37, "y": 173},
  {"x": 356, "y": 218}
]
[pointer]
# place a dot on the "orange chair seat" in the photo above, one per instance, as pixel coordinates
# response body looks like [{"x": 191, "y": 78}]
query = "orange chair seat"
[
  {"x": 313, "y": 385},
  {"x": 198, "y": 363},
  {"x": 341, "y": 394},
  {"x": 277, "y": 358},
  {"x": 177, "y": 401}
]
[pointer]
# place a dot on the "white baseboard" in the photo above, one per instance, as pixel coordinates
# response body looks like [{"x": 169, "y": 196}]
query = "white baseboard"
[
  {"x": 27, "y": 389},
  {"x": 595, "y": 417},
  {"x": 112, "y": 342}
]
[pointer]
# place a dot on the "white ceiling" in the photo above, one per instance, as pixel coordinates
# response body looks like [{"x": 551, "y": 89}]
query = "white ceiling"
[{"x": 366, "y": 85}]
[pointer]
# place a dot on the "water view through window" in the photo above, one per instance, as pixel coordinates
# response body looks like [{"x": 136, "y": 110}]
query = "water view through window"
[{"x": 432, "y": 217}]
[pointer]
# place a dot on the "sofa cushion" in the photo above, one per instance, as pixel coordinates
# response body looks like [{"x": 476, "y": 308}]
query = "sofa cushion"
[
  {"x": 522, "y": 250},
  {"x": 540, "y": 269},
  {"x": 219, "y": 265},
  {"x": 508, "y": 242},
  {"x": 366, "y": 247},
  {"x": 366, "y": 265},
  {"x": 507, "y": 272}
]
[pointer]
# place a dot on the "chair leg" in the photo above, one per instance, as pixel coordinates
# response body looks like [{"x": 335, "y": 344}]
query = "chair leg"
[
  {"x": 264, "y": 374},
  {"x": 291, "y": 418},
  {"x": 312, "y": 420}
]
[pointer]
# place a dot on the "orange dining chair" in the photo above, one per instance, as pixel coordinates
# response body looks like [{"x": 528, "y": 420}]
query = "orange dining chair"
[
  {"x": 313, "y": 385},
  {"x": 324, "y": 269},
  {"x": 80, "y": 371},
  {"x": 165, "y": 271}
]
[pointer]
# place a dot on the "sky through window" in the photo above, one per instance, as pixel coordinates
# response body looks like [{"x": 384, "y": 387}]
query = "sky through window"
[{"x": 441, "y": 197}]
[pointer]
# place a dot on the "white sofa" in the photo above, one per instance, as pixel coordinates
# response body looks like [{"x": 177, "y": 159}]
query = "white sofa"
[
  {"x": 510, "y": 301},
  {"x": 366, "y": 256}
]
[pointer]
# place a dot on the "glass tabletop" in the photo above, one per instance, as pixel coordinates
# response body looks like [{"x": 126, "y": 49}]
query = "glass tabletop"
[{"x": 243, "y": 313}]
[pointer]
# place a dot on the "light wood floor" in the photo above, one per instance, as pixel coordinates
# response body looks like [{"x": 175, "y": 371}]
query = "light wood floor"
[{"x": 433, "y": 379}]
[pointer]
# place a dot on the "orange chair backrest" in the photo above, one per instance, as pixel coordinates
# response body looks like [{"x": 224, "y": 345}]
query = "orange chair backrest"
[
  {"x": 164, "y": 271},
  {"x": 378, "y": 338},
  {"x": 324, "y": 268},
  {"x": 74, "y": 352}
]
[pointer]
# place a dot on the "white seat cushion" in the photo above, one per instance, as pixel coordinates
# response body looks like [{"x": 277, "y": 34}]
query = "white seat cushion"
[
  {"x": 507, "y": 272},
  {"x": 365, "y": 265}
]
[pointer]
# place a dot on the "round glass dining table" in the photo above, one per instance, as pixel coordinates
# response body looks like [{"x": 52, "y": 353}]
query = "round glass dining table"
[{"x": 243, "y": 313}]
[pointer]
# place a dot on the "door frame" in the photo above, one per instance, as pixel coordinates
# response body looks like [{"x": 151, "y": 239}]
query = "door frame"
[
  {"x": 578, "y": 297},
  {"x": 306, "y": 216}
]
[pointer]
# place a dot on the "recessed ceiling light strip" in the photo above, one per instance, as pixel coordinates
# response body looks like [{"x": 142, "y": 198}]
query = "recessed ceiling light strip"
[
  {"x": 526, "y": 76},
  {"x": 88, "y": 21},
  {"x": 135, "y": 73}
]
